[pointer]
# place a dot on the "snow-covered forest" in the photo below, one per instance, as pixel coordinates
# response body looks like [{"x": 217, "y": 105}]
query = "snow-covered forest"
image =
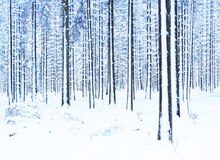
[{"x": 117, "y": 79}]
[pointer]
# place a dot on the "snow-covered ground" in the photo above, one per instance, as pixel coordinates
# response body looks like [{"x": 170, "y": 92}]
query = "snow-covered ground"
[{"x": 39, "y": 132}]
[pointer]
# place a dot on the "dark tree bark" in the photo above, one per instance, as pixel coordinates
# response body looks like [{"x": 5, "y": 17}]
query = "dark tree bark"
[
  {"x": 111, "y": 58},
  {"x": 72, "y": 52},
  {"x": 34, "y": 56},
  {"x": 160, "y": 70},
  {"x": 130, "y": 83},
  {"x": 112, "y": 49},
  {"x": 46, "y": 74},
  {"x": 91, "y": 58},
  {"x": 10, "y": 77},
  {"x": 19, "y": 60},
  {"x": 102, "y": 51},
  {"x": 169, "y": 86},
  {"x": 177, "y": 50},
  {"x": 109, "y": 84},
  {"x": 65, "y": 75},
  {"x": 99, "y": 49},
  {"x": 162, "y": 74}
]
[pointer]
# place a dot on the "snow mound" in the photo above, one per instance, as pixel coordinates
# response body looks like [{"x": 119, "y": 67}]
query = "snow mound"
[
  {"x": 111, "y": 128},
  {"x": 60, "y": 120},
  {"x": 19, "y": 113}
]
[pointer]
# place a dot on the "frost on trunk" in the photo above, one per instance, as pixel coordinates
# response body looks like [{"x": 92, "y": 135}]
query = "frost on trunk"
[
  {"x": 177, "y": 51},
  {"x": 101, "y": 50},
  {"x": 111, "y": 54},
  {"x": 34, "y": 56},
  {"x": 65, "y": 81},
  {"x": 130, "y": 83},
  {"x": 72, "y": 52},
  {"x": 149, "y": 53},
  {"x": 91, "y": 58},
  {"x": 165, "y": 130},
  {"x": 45, "y": 88},
  {"x": 10, "y": 79}
]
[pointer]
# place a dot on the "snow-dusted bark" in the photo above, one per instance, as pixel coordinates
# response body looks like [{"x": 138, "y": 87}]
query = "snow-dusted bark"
[
  {"x": 111, "y": 54},
  {"x": 130, "y": 83},
  {"x": 91, "y": 58},
  {"x": 34, "y": 51},
  {"x": 165, "y": 129},
  {"x": 10, "y": 79},
  {"x": 66, "y": 75},
  {"x": 177, "y": 51}
]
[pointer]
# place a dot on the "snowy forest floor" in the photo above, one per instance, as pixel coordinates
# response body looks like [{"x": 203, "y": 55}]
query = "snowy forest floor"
[{"x": 49, "y": 132}]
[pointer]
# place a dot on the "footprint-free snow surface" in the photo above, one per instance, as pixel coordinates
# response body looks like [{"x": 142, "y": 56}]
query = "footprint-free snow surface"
[{"x": 50, "y": 132}]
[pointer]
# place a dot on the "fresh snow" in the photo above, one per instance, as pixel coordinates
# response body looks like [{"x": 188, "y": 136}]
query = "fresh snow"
[{"x": 50, "y": 132}]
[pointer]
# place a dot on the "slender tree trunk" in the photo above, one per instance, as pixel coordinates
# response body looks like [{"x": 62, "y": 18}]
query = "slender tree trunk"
[
  {"x": 91, "y": 58},
  {"x": 34, "y": 27},
  {"x": 130, "y": 83},
  {"x": 113, "y": 53},
  {"x": 45, "y": 70},
  {"x": 99, "y": 48},
  {"x": 72, "y": 51},
  {"x": 109, "y": 80},
  {"x": 19, "y": 60},
  {"x": 169, "y": 87},
  {"x": 111, "y": 58},
  {"x": 160, "y": 71},
  {"x": 10, "y": 71},
  {"x": 66, "y": 75},
  {"x": 177, "y": 49}
]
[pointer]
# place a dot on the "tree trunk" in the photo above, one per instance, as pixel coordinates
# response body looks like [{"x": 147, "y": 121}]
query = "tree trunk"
[
  {"x": 34, "y": 60},
  {"x": 169, "y": 80},
  {"x": 66, "y": 75},
  {"x": 165, "y": 99},
  {"x": 130, "y": 83},
  {"x": 10, "y": 71},
  {"x": 91, "y": 58},
  {"x": 177, "y": 50},
  {"x": 160, "y": 71}
]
